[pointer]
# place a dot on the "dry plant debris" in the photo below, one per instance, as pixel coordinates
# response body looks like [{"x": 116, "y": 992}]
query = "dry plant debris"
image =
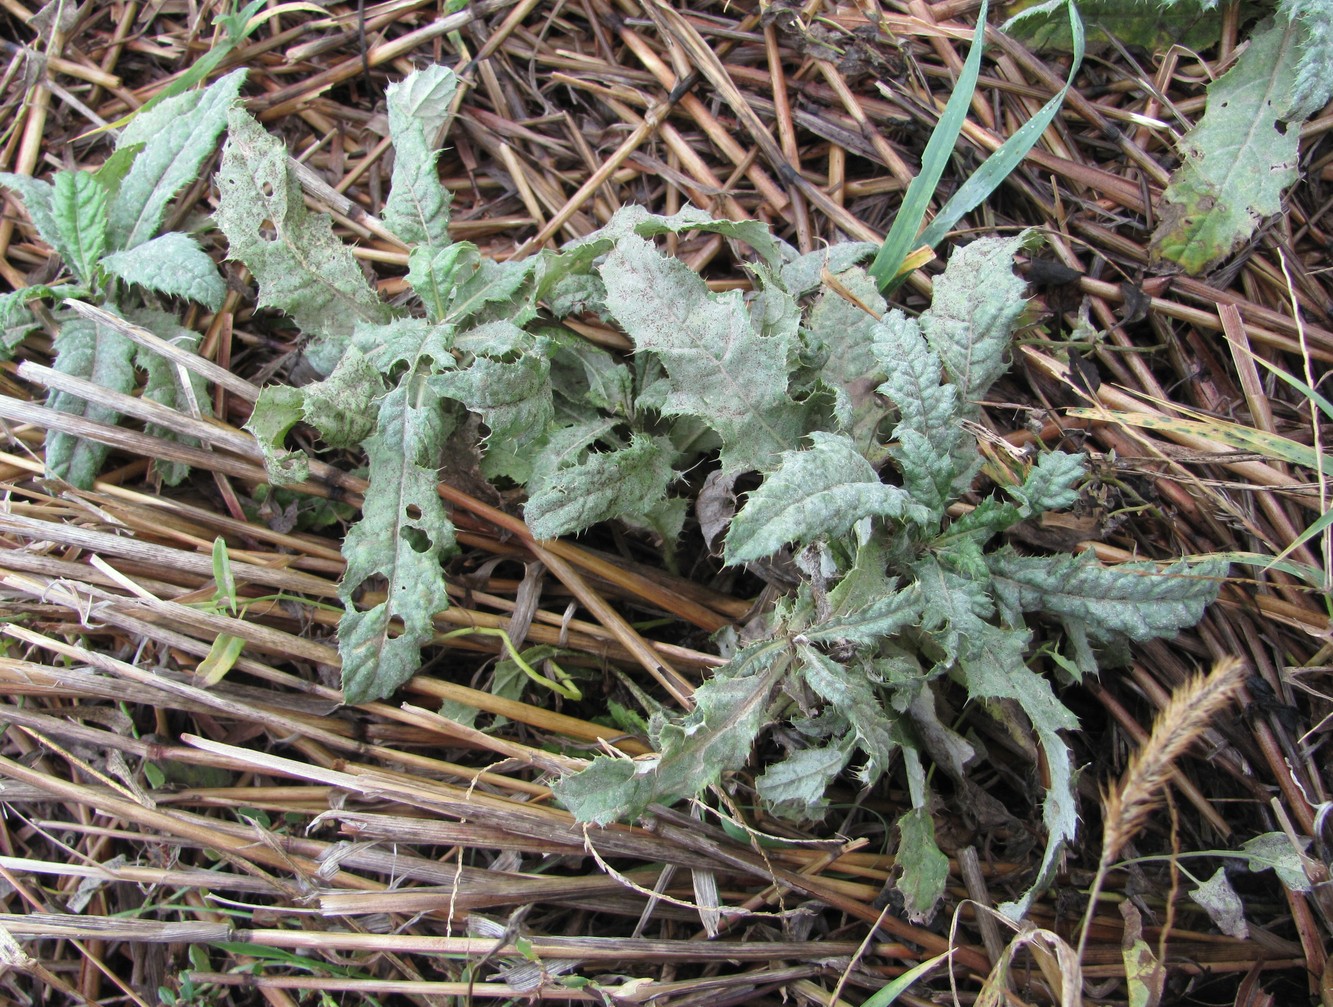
[{"x": 252, "y": 839}]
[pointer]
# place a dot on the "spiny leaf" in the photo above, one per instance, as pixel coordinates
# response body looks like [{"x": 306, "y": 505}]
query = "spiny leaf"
[
  {"x": 803, "y": 273},
  {"x": 172, "y": 264},
  {"x": 636, "y": 220},
  {"x": 100, "y": 354},
  {"x": 417, "y": 210},
  {"x": 880, "y": 614},
  {"x": 714, "y": 738},
  {"x": 403, "y": 536},
  {"x": 591, "y": 375},
  {"x": 15, "y": 320},
  {"x": 78, "y": 206},
  {"x": 1223, "y": 906},
  {"x": 993, "y": 667},
  {"x": 302, "y": 269},
  {"x": 37, "y": 196},
  {"x": 1195, "y": 24},
  {"x": 176, "y": 136},
  {"x": 342, "y": 406},
  {"x": 1052, "y": 483},
  {"x": 849, "y": 692},
  {"x": 720, "y": 369},
  {"x": 914, "y": 382},
  {"x": 977, "y": 303},
  {"x": 843, "y": 329},
  {"x": 1133, "y": 601},
  {"x": 513, "y": 396},
  {"x": 629, "y": 484},
  {"x": 932, "y": 478},
  {"x": 819, "y": 492},
  {"x": 411, "y": 344},
  {"x": 1238, "y": 159},
  {"x": 1313, "y": 84},
  {"x": 953, "y": 608},
  {"x": 794, "y": 787}
]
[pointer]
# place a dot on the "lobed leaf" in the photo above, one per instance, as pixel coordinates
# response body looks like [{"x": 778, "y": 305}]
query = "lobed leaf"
[
  {"x": 1132, "y": 601},
  {"x": 513, "y": 396},
  {"x": 1052, "y": 483},
  {"x": 1313, "y": 84},
  {"x": 925, "y": 870},
  {"x": 914, "y": 382},
  {"x": 976, "y": 306},
  {"x": 629, "y": 484},
  {"x": 342, "y": 406},
  {"x": 816, "y": 493},
  {"x": 632, "y": 220},
  {"x": 301, "y": 267},
  {"x": 405, "y": 344},
  {"x": 730, "y": 710},
  {"x": 719, "y": 368},
  {"x": 37, "y": 197},
  {"x": 165, "y": 384},
  {"x": 275, "y": 412},
  {"x": 993, "y": 667},
  {"x": 402, "y": 537},
  {"x": 417, "y": 210},
  {"x": 794, "y": 788},
  {"x": 848, "y": 691}
]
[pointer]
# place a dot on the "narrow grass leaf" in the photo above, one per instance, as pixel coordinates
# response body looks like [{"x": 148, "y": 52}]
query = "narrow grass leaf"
[
  {"x": 902, "y": 237},
  {"x": 996, "y": 168}
]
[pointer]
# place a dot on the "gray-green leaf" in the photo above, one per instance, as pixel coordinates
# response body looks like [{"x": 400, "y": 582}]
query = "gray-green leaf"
[
  {"x": 977, "y": 303},
  {"x": 417, "y": 210},
  {"x": 301, "y": 267},
  {"x": 1239, "y": 158},
  {"x": 341, "y": 407},
  {"x": 794, "y": 788},
  {"x": 629, "y": 483},
  {"x": 848, "y": 690},
  {"x": 100, "y": 354},
  {"x": 36, "y": 196},
  {"x": 817, "y": 493},
  {"x": 720, "y": 369},
  {"x": 78, "y": 206},
  {"x": 275, "y": 412},
  {"x": 512, "y": 396},
  {"x": 164, "y": 384},
  {"x": 172, "y": 264},
  {"x": 925, "y": 870},
  {"x": 177, "y": 136},
  {"x": 714, "y": 738},
  {"x": 403, "y": 536},
  {"x": 1134, "y": 601}
]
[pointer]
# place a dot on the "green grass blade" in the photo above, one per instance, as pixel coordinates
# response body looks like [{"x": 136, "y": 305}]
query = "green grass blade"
[
  {"x": 997, "y": 167},
  {"x": 1324, "y": 405},
  {"x": 889, "y": 993},
  {"x": 902, "y": 236}
]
